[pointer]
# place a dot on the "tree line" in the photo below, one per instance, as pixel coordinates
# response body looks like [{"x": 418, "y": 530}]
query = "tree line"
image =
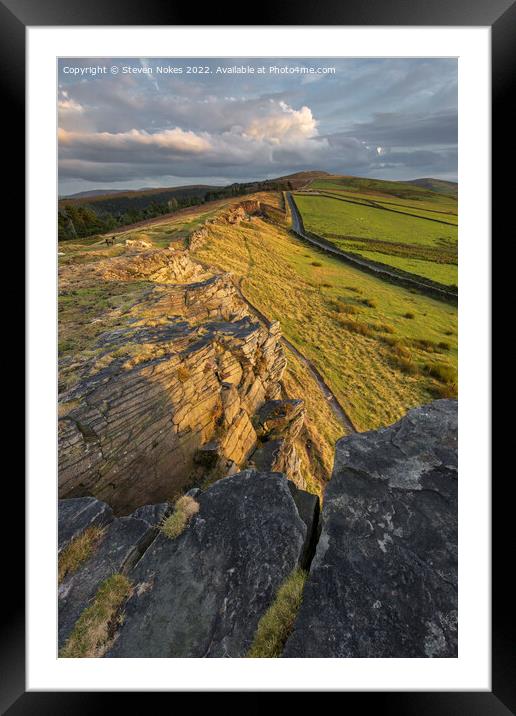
[{"x": 82, "y": 219}]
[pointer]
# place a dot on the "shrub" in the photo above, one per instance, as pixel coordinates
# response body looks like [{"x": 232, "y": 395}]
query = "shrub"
[
  {"x": 276, "y": 624},
  {"x": 184, "y": 509},
  {"x": 408, "y": 315},
  {"x": 78, "y": 551},
  {"x": 316, "y": 263},
  {"x": 443, "y": 345},
  {"x": 369, "y": 302},
  {"x": 93, "y": 630},
  {"x": 390, "y": 340},
  {"x": 344, "y": 307},
  {"x": 355, "y": 326},
  {"x": 385, "y": 328},
  {"x": 448, "y": 390},
  {"x": 407, "y": 365},
  {"x": 441, "y": 371}
]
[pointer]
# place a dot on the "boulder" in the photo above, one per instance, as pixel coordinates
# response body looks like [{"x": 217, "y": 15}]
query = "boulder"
[
  {"x": 123, "y": 542},
  {"x": 383, "y": 582},
  {"x": 78, "y": 514},
  {"x": 203, "y": 593}
]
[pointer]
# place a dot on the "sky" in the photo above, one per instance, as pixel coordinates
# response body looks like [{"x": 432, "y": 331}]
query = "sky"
[{"x": 153, "y": 123}]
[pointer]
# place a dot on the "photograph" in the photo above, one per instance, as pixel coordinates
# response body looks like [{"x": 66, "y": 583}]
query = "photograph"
[{"x": 257, "y": 357}]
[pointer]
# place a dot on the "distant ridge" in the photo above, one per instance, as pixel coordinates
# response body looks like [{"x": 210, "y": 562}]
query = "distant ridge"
[
  {"x": 449, "y": 188},
  {"x": 92, "y": 193}
]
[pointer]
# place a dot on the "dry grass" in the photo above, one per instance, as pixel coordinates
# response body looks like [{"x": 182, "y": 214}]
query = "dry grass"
[
  {"x": 93, "y": 631},
  {"x": 184, "y": 509},
  {"x": 79, "y": 550},
  {"x": 353, "y": 357},
  {"x": 277, "y": 622},
  {"x": 322, "y": 428}
]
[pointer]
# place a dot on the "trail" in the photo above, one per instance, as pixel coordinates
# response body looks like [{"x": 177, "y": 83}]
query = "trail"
[{"x": 379, "y": 270}]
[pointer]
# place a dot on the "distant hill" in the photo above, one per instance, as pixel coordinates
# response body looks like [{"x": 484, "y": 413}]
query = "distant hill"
[
  {"x": 91, "y": 193},
  {"x": 298, "y": 179},
  {"x": 136, "y": 198},
  {"x": 449, "y": 188}
]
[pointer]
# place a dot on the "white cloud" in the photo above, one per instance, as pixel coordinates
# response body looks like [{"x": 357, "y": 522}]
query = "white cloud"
[
  {"x": 170, "y": 140},
  {"x": 66, "y": 105},
  {"x": 283, "y": 123}
]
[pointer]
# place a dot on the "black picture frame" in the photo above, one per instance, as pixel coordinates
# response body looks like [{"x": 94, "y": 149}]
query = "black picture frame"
[{"x": 500, "y": 15}]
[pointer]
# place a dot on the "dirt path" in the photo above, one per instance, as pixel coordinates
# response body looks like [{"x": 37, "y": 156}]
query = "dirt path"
[{"x": 379, "y": 270}]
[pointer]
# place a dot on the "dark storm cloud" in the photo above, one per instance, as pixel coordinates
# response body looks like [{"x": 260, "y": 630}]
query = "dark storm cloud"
[{"x": 395, "y": 118}]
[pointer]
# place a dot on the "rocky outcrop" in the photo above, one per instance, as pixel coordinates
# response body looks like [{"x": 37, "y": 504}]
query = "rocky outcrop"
[
  {"x": 122, "y": 543},
  {"x": 138, "y": 424},
  {"x": 77, "y": 515},
  {"x": 138, "y": 244},
  {"x": 168, "y": 400},
  {"x": 198, "y": 237},
  {"x": 278, "y": 424},
  {"x": 383, "y": 582},
  {"x": 202, "y": 593}
]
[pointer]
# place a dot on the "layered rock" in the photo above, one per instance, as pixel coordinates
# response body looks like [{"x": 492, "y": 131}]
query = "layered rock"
[
  {"x": 139, "y": 422},
  {"x": 167, "y": 266},
  {"x": 278, "y": 424},
  {"x": 173, "y": 390},
  {"x": 383, "y": 582}
]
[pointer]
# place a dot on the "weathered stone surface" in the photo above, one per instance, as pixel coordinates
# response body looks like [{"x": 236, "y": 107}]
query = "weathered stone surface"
[
  {"x": 202, "y": 594},
  {"x": 278, "y": 423},
  {"x": 77, "y": 515},
  {"x": 139, "y": 423},
  {"x": 383, "y": 582},
  {"x": 123, "y": 542}
]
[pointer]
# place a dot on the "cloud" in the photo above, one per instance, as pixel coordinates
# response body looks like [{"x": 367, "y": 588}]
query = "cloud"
[
  {"x": 283, "y": 124},
  {"x": 170, "y": 141},
  {"x": 395, "y": 118}
]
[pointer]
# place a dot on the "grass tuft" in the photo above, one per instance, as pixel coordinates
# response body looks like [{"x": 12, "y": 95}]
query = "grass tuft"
[
  {"x": 93, "y": 630},
  {"x": 78, "y": 551},
  {"x": 184, "y": 509},
  {"x": 276, "y": 624}
]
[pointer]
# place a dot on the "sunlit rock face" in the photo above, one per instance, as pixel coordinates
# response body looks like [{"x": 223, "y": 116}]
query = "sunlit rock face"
[{"x": 185, "y": 377}]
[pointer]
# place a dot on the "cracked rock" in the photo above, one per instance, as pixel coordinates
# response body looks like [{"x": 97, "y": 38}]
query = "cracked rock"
[{"x": 383, "y": 582}]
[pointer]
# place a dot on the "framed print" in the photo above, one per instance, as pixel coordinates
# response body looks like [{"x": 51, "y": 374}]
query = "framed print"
[{"x": 258, "y": 290}]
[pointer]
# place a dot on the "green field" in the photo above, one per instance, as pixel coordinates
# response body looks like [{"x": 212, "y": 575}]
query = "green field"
[
  {"x": 411, "y": 243},
  {"x": 406, "y": 227}
]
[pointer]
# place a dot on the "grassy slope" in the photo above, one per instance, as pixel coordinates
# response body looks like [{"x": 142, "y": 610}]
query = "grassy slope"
[
  {"x": 419, "y": 245},
  {"x": 279, "y": 276},
  {"x": 281, "y": 279}
]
